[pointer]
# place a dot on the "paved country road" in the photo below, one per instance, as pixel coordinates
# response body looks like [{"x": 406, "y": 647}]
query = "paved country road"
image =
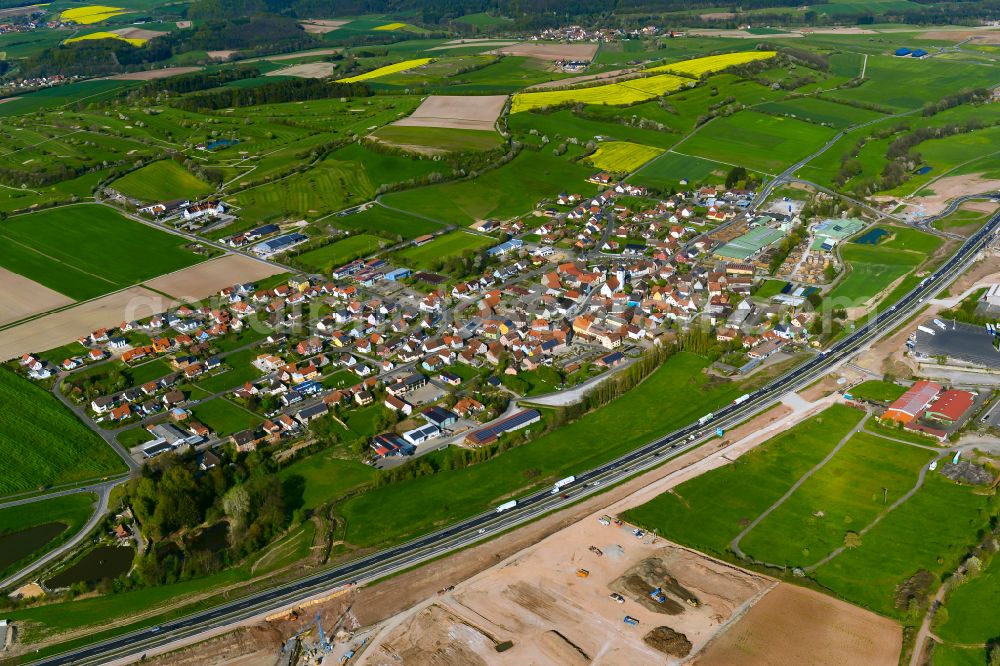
[{"x": 484, "y": 525}]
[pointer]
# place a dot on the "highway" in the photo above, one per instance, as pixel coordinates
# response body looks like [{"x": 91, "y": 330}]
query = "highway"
[{"x": 485, "y": 525}]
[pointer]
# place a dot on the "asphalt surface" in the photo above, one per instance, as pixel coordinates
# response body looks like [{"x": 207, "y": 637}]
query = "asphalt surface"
[{"x": 528, "y": 508}]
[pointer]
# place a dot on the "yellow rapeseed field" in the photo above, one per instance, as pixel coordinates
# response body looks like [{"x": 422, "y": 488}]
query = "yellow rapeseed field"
[
  {"x": 622, "y": 156},
  {"x": 90, "y": 14},
  {"x": 613, "y": 94},
  {"x": 388, "y": 69},
  {"x": 134, "y": 41},
  {"x": 698, "y": 66},
  {"x": 391, "y": 26}
]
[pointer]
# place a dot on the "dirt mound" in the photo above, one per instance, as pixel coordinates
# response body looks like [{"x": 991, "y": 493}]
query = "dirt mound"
[
  {"x": 967, "y": 472},
  {"x": 532, "y": 598},
  {"x": 668, "y": 641},
  {"x": 436, "y": 636},
  {"x": 562, "y": 650},
  {"x": 638, "y": 582},
  {"x": 916, "y": 587}
]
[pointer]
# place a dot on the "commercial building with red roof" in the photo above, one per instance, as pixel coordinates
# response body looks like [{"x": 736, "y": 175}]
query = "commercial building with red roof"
[
  {"x": 912, "y": 403},
  {"x": 950, "y": 406}
]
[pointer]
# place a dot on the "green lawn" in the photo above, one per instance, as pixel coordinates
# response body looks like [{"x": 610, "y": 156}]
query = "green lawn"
[
  {"x": 328, "y": 257},
  {"x": 845, "y": 495},
  {"x": 378, "y": 218},
  {"x": 597, "y": 437},
  {"x": 756, "y": 141},
  {"x": 428, "y": 255},
  {"x": 669, "y": 169},
  {"x": 239, "y": 371},
  {"x": 769, "y": 288},
  {"x": 42, "y": 443},
  {"x": 962, "y": 221},
  {"x": 561, "y": 125},
  {"x": 877, "y": 390},
  {"x": 875, "y": 267},
  {"x": 708, "y": 511},
  {"x": 224, "y": 417},
  {"x": 438, "y": 138},
  {"x": 348, "y": 176},
  {"x": 820, "y": 111},
  {"x": 88, "y": 250},
  {"x": 318, "y": 478},
  {"x": 162, "y": 181},
  {"x": 932, "y": 531},
  {"x": 69, "y": 512},
  {"x": 509, "y": 190},
  {"x": 967, "y": 622}
]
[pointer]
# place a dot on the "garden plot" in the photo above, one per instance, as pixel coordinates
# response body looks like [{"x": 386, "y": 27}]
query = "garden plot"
[
  {"x": 478, "y": 112},
  {"x": 21, "y": 297}
]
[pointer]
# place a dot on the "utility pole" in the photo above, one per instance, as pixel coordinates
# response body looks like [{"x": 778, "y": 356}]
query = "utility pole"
[{"x": 885, "y": 494}]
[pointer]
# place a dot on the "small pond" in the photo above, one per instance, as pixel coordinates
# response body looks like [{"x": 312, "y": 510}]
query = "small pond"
[
  {"x": 872, "y": 237},
  {"x": 18, "y": 545},
  {"x": 100, "y": 563}
]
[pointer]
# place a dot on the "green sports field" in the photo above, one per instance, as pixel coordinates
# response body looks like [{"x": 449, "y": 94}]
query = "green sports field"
[
  {"x": 756, "y": 141},
  {"x": 88, "y": 250},
  {"x": 42, "y": 443},
  {"x": 443, "y": 247},
  {"x": 162, "y": 181}
]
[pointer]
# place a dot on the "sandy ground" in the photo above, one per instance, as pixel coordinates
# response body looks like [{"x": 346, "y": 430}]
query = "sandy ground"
[
  {"x": 478, "y": 112},
  {"x": 21, "y": 297},
  {"x": 184, "y": 24},
  {"x": 486, "y": 43},
  {"x": 613, "y": 75},
  {"x": 551, "y": 51},
  {"x": 18, "y": 11},
  {"x": 309, "y": 70},
  {"x": 138, "y": 33},
  {"x": 220, "y": 55},
  {"x": 717, "y": 16},
  {"x": 983, "y": 35},
  {"x": 151, "y": 74},
  {"x": 8, "y": 99},
  {"x": 64, "y": 327},
  {"x": 947, "y": 188},
  {"x": 209, "y": 277},
  {"x": 793, "y": 626},
  {"x": 321, "y": 26}
]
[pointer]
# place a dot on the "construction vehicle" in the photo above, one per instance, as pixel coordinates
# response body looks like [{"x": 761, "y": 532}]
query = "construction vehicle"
[
  {"x": 630, "y": 620},
  {"x": 595, "y": 550},
  {"x": 604, "y": 520},
  {"x": 617, "y": 597},
  {"x": 582, "y": 573},
  {"x": 658, "y": 596},
  {"x": 323, "y": 643}
]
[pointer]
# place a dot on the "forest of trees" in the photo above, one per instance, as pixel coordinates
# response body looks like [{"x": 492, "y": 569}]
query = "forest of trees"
[{"x": 288, "y": 90}]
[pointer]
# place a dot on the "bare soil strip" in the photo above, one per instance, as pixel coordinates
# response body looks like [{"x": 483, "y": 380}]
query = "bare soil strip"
[
  {"x": 152, "y": 74},
  {"x": 550, "y": 51},
  {"x": 61, "y": 328},
  {"x": 457, "y": 112},
  {"x": 209, "y": 277},
  {"x": 309, "y": 70},
  {"x": 21, "y": 297}
]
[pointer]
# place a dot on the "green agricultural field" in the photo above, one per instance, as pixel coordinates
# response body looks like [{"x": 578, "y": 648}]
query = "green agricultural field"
[
  {"x": 509, "y": 190},
  {"x": 708, "y": 511},
  {"x": 224, "y": 417},
  {"x": 162, "y": 181},
  {"x": 12, "y": 200},
  {"x": 428, "y": 255},
  {"x": 962, "y": 221},
  {"x": 821, "y": 112},
  {"x": 379, "y": 218},
  {"x": 877, "y": 390},
  {"x": 483, "y": 20},
  {"x": 53, "y": 521},
  {"x": 561, "y": 125},
  {"x": 669, "y": 169},
  {"x": 874, "y": 267},
  {"x": 599, "y": 436},
  {"x": 905, "y": 83},
  {"x": 328, "y": 257},
  {"x": 507, "y": 75},
  {"x": 756, "y": 141},
  {"x": 42, "y": 443},
  {"x": 967, "y": 623},
  {"x": 948, "y": 655},
  {"x": 931, "y": 531},
  {"x": 348, "y": 176},
  {"x": 944, "y": 155},
  {"x": 88, "y": 250},
  {"x": 437, "y": 139},
  {"x": 845, "y": 495}
]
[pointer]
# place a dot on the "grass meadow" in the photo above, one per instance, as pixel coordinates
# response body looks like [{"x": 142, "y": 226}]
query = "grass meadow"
[
  {"x": 449, "y": 245},
  {"x": 69, "y": 511},
  {"x": 378, "y": 218},
  {"x": 224, "y": 417},
  {"x": 438, "y": 138},
  {"x": 162, "y": 181},
  {"x": 328, "y": 257}
]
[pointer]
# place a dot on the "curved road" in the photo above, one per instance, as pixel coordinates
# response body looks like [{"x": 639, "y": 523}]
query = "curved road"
[{"x": 484, "y": 525}]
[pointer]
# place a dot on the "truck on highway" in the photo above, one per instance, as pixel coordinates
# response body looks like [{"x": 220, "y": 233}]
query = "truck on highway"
[
  {"x": 706, "y": 418},
  {"x": 506, "y": 505},
  {"x": 562, "y": 483},
  {"x": 740, "y": 400}
]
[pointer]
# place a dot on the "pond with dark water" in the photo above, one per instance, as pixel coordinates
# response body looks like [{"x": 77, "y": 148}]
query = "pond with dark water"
[
  {"x": 17, "y": 545},
  {"x": 100, "y": 563}
]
